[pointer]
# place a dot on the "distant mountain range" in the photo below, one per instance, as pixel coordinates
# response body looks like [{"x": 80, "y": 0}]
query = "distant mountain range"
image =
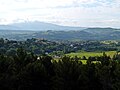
[
  {"x": 85, "y": 34},
  {"x": 37, "y": 26},
  {"x": 25, "y": 30}
]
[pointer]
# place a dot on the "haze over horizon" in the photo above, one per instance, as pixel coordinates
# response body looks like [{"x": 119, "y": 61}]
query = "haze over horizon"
[{"x": 82, "y": 13}]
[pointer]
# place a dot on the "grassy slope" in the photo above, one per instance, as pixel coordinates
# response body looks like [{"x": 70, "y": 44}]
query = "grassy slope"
[{"x": 88, "y": 54}]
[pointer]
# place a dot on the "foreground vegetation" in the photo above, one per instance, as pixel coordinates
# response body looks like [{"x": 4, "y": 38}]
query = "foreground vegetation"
[
  {"x": 38, "y": 64},
  {"x": 26, "y": 71}
]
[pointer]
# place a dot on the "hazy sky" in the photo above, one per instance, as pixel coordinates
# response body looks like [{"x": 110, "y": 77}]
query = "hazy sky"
[{"x": 97, "y": 13}]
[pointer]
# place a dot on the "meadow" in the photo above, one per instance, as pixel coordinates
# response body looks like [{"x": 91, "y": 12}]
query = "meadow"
[
  {"x": 92, "y": 54},
  {"x": 88, "y": 54}
]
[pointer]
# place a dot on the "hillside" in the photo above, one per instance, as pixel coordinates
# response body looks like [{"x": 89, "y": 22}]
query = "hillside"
[
  {"x": 59, "y": 34},
  {"x": 37, "y": 26}
]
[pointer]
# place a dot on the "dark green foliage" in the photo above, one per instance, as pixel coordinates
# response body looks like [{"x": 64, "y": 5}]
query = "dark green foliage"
[
  {"x": 84, "y": 58},
  {"x": 34, "y": 77},
  {"x": 55, "y": 48},
  {"x": 23, "y": 71},
  {"x": 67, "y": 75}
]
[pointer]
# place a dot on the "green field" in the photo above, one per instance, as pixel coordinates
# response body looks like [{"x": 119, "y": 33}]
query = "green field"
[
  {"x": 88, "y": 54},
  {"x": 85, "y": 61}
]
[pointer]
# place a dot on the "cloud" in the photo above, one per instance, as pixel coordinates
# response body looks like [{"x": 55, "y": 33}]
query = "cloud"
[
  {"x": 65, "y": 12},
  {"x": 25, "y": 1},
  {"x": 2, "y": 20},
  {"x": 88, "y": 3}
]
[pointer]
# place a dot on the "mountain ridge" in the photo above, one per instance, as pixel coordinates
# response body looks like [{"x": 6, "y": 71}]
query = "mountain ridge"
[{"x": 37, "y": 26}]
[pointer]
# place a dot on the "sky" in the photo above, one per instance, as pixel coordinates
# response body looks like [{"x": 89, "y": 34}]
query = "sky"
[{"x": 83, "y": 13}]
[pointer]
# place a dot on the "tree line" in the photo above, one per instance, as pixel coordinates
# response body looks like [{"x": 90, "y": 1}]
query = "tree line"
[
  {"x": 42, "y": 46},
  {"x": 27, "y": 71}
]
